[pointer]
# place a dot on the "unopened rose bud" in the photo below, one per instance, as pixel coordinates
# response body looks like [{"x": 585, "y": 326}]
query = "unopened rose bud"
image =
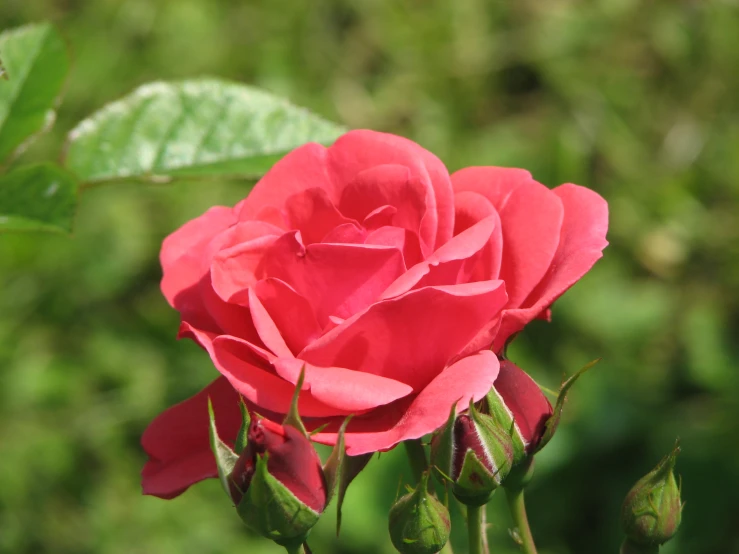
[
  {"x": 476, "y": 453},
  {"x": 277, "y": 482},
  {"x": 419, "y": 523},
  {"x": 652, "y": 510}
]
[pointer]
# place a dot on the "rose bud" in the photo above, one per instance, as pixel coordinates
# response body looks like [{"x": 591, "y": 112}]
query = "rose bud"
[
  {"x": 419, "y": 523},
  {"x": 475, "y": 452},
  {"x": 277, "y": 482},
  {"x": 652, "y": 510}
]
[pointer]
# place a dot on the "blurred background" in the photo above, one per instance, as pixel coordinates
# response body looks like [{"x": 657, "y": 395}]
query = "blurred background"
[{"x": 638, "y": 100}]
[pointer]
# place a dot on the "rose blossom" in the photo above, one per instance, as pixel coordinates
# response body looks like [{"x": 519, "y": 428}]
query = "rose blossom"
[{"x": 367, "y": 264}]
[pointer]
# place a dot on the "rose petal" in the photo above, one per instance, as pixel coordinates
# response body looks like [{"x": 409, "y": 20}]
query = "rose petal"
[
  {"x": 290, "y": 312},
  {"x": 337, "y": 279},
  {"x": 581, "y": 244},
  {"x": 444, "y": 266},
  {"x": 347, "y": 390},
  {"x": 469, "y": 378},
  {"x": 531, "y": 219},
  {"x": 303, "y": 168},
  {"x": 359, "y": 150},
  {"x": 410, "y": 338},
  {"x": 313, "y": 214},
  {"x": 247, "y": 373},
  {"x": 388, "y": 185},
  {"x": 177, "y": 441},
  {"x": 470, "y": 209}
]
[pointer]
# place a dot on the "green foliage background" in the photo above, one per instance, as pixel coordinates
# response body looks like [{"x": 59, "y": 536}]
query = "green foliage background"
[{"x": 637, "y": 99}]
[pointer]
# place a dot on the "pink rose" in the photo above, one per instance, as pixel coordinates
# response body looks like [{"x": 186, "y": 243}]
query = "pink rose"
[{"x": 367, "y": 264}]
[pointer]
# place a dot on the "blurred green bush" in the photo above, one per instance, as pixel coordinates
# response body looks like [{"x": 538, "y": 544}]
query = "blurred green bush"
[{"x": 638, "y": 100}]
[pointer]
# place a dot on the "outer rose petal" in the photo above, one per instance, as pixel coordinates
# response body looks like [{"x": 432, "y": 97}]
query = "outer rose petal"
[
  {"x": 410, "y": 338},
  {"x": 531, "y": 219},
  {"x": 469, "y": 378},
  {"x": 177, "y": 440},
  {"x": 581, "y": 244},
  {"x": 303, "y": 168},
  {"x": 193, "y": 236}
]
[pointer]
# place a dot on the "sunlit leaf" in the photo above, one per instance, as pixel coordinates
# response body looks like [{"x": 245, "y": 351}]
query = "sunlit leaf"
[
  {"x": 37, "y": 198},
  {"x": 35, "y": 64},
  {"x": 201, "y": 127}
]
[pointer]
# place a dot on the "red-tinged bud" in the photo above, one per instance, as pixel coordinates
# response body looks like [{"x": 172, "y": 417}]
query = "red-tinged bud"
[
  {"x": 277, "y": 483},
  {"x": 475, "y": 452},
  {"x": 524, "y": 407},
  {"x": 652, "y": 510}
]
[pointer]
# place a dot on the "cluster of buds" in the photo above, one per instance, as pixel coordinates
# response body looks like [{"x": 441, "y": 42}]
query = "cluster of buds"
[{"x": 275, "y": 477}]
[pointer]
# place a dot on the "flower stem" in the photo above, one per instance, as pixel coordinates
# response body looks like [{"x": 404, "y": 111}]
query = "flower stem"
[
  {"x": 474, "y": 529},
  {"x": 517, "y": 507},
  {"x": 417, "y": 457}
]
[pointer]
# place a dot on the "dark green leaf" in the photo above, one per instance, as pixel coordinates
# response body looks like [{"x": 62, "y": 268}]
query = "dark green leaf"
[
  {"x": 35, "y": 63},
  {"x": 37, "y": 198},
  {"x": 202, "y": 127}
]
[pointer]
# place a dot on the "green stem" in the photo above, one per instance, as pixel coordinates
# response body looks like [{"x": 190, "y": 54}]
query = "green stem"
[
  {"x": 417, "y": 457},
  {"x": 474, "y": 529},
  {"x": 517, "y": 507}
]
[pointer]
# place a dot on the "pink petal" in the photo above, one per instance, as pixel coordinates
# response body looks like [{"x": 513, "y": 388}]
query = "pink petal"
[
  {"x": 470, "y": 209},
  {"x": 446, "y": 265},
  {"x": 337, "y": 279},
  {"x": 248, "y": 374},
  {"x": 313, "y": 214},
  {"x": 303, "y": 168},
  {"x": 265, "y": 326},
  {"x": 177, "y": 441},
  {"x": 381, "y": 429},
  {"x": 290, "y": 312},
  {"x": 410, "y": 338},
  {"x": 402, "y": 239},
  {"x": 347, "y": 390},
  {"x": 359, "y": 150},
  {"x": 581, "y": 244},
  {"x": 531, "y": 219},
  {"x": 388, "y": 185}
]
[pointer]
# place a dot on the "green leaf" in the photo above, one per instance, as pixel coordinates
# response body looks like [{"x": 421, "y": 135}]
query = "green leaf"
[
  {"x": 203, "y": 127},
  {"x": 225, "y": 457},
  {"x": 35, "y": 63},
  {"x": 39, "y": 197},
  {"x": 333, "y": 466}
]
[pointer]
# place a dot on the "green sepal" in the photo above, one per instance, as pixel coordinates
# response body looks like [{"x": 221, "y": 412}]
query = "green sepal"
[
  {"x": 225, "y": 457},
  {"x": 293, "y": 416},
  {"x": 419, "y": 523},
  {"x": 496, "y": 408},
  {"x": 550, "y": 427},
  {"x": 496, "y": 441},
  {"x": 442, "y": 448},
  {"x": 270, "y": 509},
  {"x": 652, "y": 510},
  {"x": 350, "y": 468},
  {"x": 243, "y": 436},
  {"x": 475, "y": 484},
  {"x": 333, "y": 466}
]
